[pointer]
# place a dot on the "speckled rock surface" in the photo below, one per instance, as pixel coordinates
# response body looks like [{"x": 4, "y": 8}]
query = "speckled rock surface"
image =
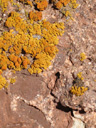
[{"x": 44, "y": 101}]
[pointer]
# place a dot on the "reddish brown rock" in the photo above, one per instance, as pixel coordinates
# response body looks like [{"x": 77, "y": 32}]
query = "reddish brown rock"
[
  {"x": 29, "y": 103},
  {"x": 52, "y": 81},
  {"x": 62, "y": 119}
]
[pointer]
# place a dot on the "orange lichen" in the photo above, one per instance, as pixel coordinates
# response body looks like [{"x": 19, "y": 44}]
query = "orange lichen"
[
  {"x": 42, "y": 5},
  {"x": 19, "y": 60},
  {"x": 4, "y": 67},
  {"x": 30, "y": 45},
  {"x": 36, "y": 16},
  {"x": 29, "y": 3},
  {"x": 33, "y": 47},
  {"x": 58, "y": 5},
  {"x": 65, "y": 2},
  {"x": 17, "y": 65},
  {"x": 16, "y": 21},
  {"x": 13, "y": 58},
  {"x": 25, "y": 61},
  {"x": 0, "y": 71},
  {"x": 65, "y": 6}
]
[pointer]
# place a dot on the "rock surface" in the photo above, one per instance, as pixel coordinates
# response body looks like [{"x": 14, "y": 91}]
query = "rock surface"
[{"x": 44, "y": 101}]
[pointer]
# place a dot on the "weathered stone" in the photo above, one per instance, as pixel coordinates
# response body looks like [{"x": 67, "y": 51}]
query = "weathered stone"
[{"x": 30, "y": 104}]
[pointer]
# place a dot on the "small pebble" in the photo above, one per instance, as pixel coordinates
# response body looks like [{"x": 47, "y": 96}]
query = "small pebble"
[{"x": 4, "y": 15}]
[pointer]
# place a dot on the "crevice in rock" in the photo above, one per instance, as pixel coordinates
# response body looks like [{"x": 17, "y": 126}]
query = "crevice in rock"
[
  {"x": 57, "y": 75},
  {"x": 51, "y": 93},
  {"x": 33, "y": 112},
  {"x": 65, "y": 109},
  {"x": 6, "y": 91},
  {"x": 28, "y": 103},
  {"x": 82, "y": 111}
]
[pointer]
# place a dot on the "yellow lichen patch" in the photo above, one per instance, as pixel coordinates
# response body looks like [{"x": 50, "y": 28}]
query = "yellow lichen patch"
[
  {"x": 83, "y": 56},
  {"x": 73, "y": 4},
  {"x": 33, "y": 46},
  {"x": 65, "y": 6},
  {"x": 3, "y": 82},
  {"x": 67, "y": 13},
  {"x": 79, "y": 75},
  {"x": 4, "y": 4},
  {"x": 78, "y": 91},
  {"x": 12, "y": 80},
  {"x": 43, "y": 61},
  {"x": 28, "y": 44},
  {"x": 16, "y": 21},
  {"x": 36, "y": 16},
  {"x": 30, "y": 70},
  {"x": 51, "y": 31}
]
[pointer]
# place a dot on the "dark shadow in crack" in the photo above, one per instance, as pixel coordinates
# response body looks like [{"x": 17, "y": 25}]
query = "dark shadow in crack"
[
  {"x": 65, "y": 109},
  {"x": 82, "y": 111},
  {"x": 57, "y": 75}
]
